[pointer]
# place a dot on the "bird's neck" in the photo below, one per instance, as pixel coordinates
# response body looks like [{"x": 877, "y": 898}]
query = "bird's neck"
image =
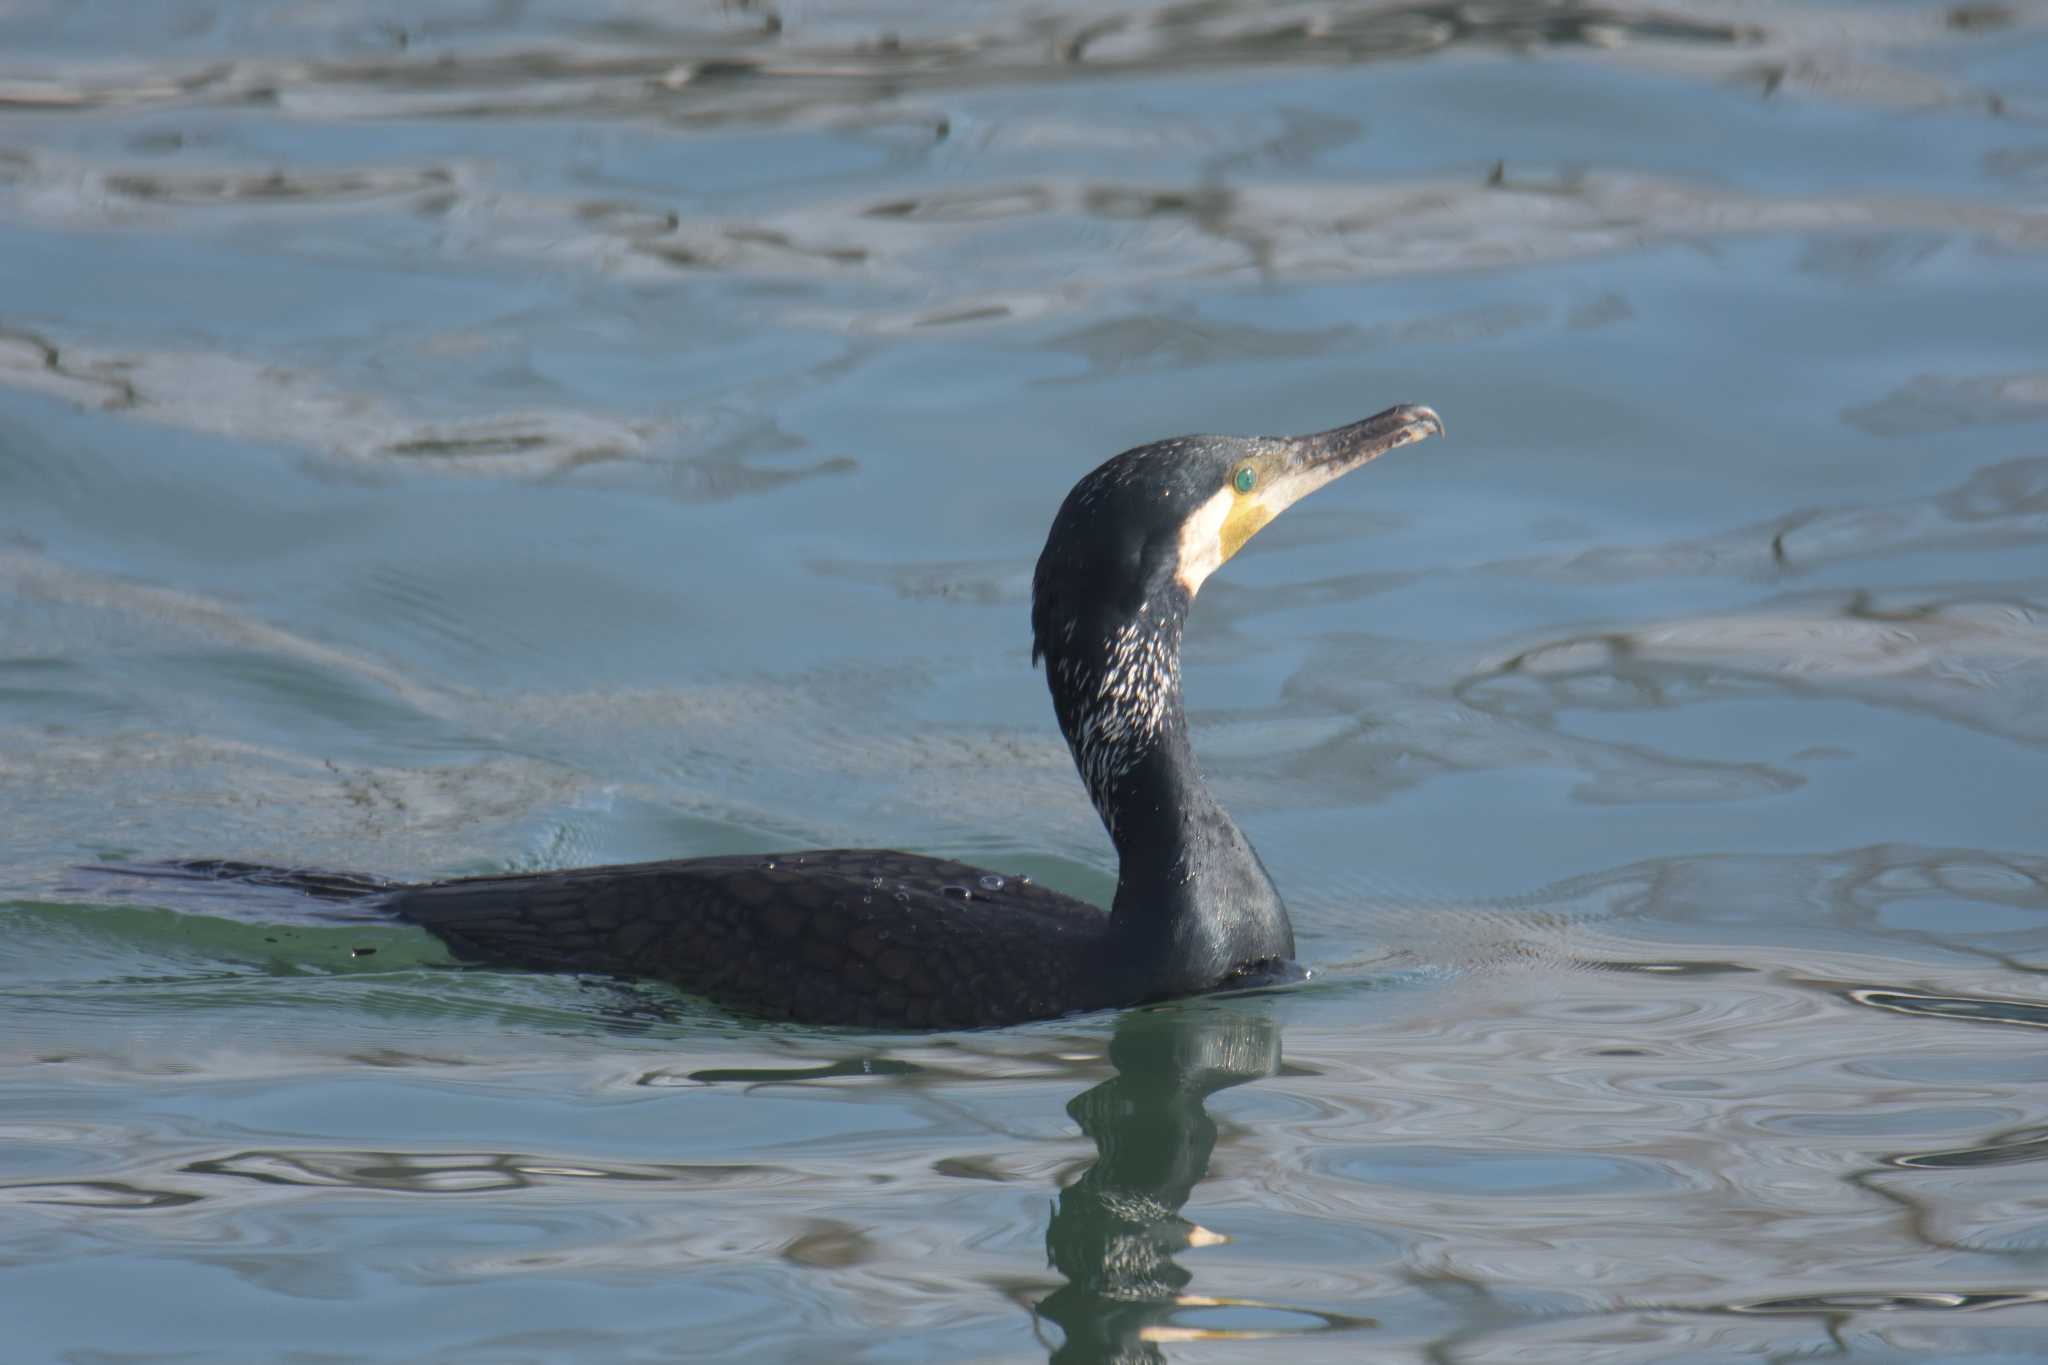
[{"x": 1188, "y": 878}]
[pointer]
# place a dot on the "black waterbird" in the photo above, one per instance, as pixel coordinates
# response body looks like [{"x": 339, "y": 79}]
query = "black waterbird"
[{"x": 880, "y": 938}]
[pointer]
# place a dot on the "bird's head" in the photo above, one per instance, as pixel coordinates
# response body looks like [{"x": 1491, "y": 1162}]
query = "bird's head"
[{"x": 1144, "y": 530}]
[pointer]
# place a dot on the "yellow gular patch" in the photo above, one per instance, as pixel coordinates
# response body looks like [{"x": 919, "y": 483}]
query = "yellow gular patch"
[
  {"x": 1218, "y": 529},
  {"x": 1245, "y": 520}
]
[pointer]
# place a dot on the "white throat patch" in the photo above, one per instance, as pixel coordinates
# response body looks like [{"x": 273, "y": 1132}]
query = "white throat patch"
[{"x": 1201, "y": 541}]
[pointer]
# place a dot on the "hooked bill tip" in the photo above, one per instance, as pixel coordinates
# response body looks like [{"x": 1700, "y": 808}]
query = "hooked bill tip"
[
  {"x": 1371, "y": 437},
  {"x": 1415, "y": 414}
]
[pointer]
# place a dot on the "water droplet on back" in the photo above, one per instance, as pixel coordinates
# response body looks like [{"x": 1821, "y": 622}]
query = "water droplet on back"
[
  {"x": 991, "y": 882},
  {"x": 955, "y": 889}
]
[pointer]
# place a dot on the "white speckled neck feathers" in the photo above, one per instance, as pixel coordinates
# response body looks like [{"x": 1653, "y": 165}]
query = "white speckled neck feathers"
[{"x": 1117, "y": 702}]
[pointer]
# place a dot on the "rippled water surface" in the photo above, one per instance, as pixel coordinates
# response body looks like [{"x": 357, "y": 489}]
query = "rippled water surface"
[{"x": 451, "y": 437}]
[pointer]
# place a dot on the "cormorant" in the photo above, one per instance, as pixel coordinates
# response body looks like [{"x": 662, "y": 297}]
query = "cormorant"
[{"x": 884, "y": 939}]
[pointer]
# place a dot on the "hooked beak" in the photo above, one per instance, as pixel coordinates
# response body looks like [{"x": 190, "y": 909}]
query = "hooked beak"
[
  {"x": 1331, "y": 453},
  {"x": 1286, "y": 470}
]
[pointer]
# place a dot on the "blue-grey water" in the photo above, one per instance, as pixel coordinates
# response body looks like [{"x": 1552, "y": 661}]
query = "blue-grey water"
[{"x": 454, "y": 436}]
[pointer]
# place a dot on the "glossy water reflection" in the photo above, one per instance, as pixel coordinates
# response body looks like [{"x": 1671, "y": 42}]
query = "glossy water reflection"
[
  {"x": 1117, "y": 1226},
  {"x": 440, "y": 439}
]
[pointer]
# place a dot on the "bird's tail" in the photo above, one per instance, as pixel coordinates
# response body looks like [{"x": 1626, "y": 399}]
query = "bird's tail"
[{"x": 223, "y": 882}]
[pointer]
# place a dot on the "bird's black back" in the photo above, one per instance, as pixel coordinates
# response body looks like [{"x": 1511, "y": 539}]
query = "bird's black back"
[{"x": 841, "y": 936}]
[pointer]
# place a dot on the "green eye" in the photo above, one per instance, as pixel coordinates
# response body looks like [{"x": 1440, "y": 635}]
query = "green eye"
[{"x": 1247, "y": 477}]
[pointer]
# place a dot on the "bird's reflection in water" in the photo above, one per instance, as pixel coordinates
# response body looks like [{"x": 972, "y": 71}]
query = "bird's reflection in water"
[{"x": 1116, "y": 1230}]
